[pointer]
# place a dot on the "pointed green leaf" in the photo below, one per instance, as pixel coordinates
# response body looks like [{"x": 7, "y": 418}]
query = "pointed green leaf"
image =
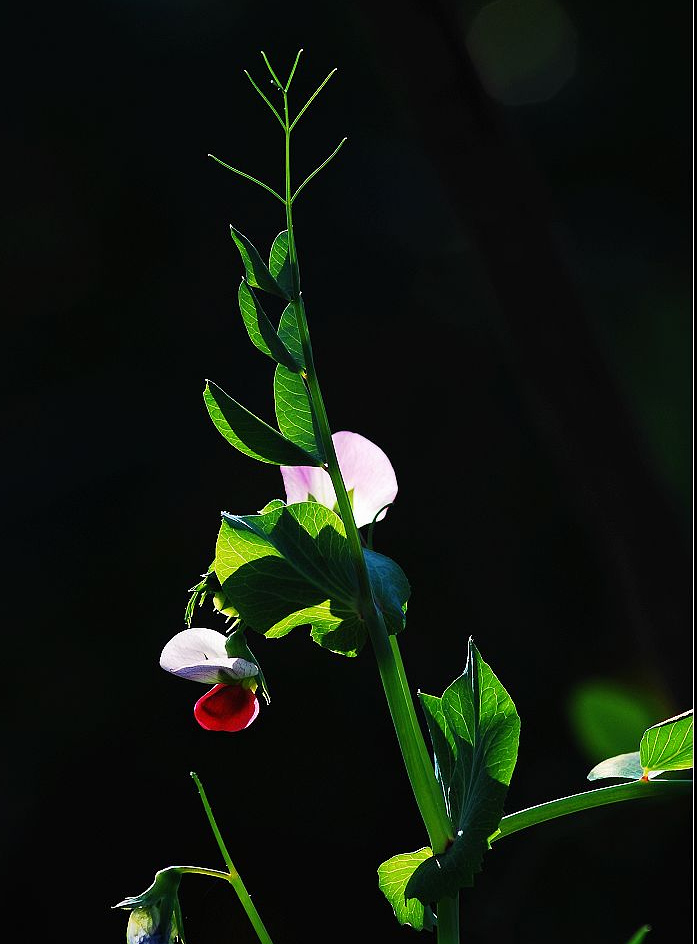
[
  {"x": 623, "y": 766},
  {"x": 296, "y": 418},
  {"x": 279, "y": 263},
  {"x": 290, "y": 335},
  {"x": 475, "y": 730},
  {"x": 393, "y": 877},
  {"x": 249, "y": 434},
  {"x": 260, "y": 330},
  {"x": 291, "y": 566},
  {"x": 639, "y": 935},
  {"x": 668, "y": 745},
  {"x": 257, "y": 273}
]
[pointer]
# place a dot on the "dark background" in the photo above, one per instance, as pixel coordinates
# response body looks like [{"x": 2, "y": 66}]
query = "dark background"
[{"x": 497, "y": 270}]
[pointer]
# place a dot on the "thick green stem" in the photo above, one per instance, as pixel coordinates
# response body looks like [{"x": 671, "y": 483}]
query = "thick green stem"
[
  {"x": 233, "y": 875},
  {"x": 416, "y": 758},
  {"x": 636, "y": 790},
  {"x": 448, "y": 926}
]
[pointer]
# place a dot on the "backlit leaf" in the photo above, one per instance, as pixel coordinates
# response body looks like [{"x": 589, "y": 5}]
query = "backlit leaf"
[
  {"x": 256, "y": 270},
  {"x": 261, "y": 332},
  {"x": 291, "y": 566},
  {"x": 393, "y": 876},
  {"x": 474, "y": 727},
  {"x": 279, "y": 263},
  {"x": 668, "y": 745},
  {"x": 249, "y": 434}
]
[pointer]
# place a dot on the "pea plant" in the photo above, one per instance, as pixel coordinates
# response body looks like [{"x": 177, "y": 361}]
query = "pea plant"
[{"x": 309, "y": 562}]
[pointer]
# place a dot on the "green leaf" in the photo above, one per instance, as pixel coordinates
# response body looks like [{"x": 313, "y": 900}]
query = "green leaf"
[
  {"x": 261, "y": 332},
  {"x": 279, "y": 263},
  {"x": 668, "y": 745},
  {"x": 639, "y": 935},
  {"x": 608, "y": 716},
  {"x": 622, "y": 766},
  {"x": 290, "y": 335},
  {"x": 249, "y": 434},
  {"x": 393, "y": 877},
  {"x": 291, "y": 566},
  {"x": 257, "y": 274},
  {"x": 296, "y": 418},
  {"x": 474, "y": 727}
]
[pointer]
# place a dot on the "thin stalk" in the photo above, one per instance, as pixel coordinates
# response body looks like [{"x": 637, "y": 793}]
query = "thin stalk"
[
  {"x": 292, "y": 71},
  {"x": 419, "y": 768},
  {"x": 307, "y": 103},
  {"x": 636, "y": 790},
  {"x": 233, "y": 876},
  {"x": 254, "y": 180},
  {"x": 273, "y": 109},
  {"x": 318, "y": 169}
]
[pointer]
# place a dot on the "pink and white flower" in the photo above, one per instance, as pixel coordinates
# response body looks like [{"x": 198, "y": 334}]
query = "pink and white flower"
[
  {"x": 368, "y": 475},
  {"x": 199, "y": 654}
]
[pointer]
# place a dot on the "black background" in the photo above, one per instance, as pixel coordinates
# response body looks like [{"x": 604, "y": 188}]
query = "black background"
[{"x": 499, "y": 295}]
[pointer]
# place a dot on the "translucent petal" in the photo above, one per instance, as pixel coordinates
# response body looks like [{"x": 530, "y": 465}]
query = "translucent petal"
[
  {"x": 199, "y": 654},
  {"x": 367, "y": 473}
]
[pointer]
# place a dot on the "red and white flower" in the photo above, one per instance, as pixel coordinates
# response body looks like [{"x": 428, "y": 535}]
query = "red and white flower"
[{"x": 199, "y": 654}]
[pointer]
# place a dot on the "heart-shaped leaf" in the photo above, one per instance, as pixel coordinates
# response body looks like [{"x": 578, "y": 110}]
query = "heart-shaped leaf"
[
  {"x": 256, "y": 270},
  {"x": 249, "y": 434},
  {"x": 292, "y": 566},
  {"x": 474, "y": 728}
]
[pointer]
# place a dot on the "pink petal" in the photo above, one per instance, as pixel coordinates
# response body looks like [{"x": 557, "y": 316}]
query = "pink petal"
[
  {"x": 226, "y": 708},
  {"x": 366, "y": 470}
]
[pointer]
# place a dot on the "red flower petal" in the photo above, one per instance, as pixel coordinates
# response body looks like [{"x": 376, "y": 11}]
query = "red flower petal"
[{"x": 226, "y": 708}]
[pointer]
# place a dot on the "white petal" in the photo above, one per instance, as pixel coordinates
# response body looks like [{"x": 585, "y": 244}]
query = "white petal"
[{"x": 199, "y": 654}]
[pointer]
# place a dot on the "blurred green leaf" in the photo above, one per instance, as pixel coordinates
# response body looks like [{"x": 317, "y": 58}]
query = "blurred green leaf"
[
  {"x": 257, "y": 273},
  {"x": 296, "y": 418},
  {"x": 279, "y": 263},
  {"x": 393, "y": 876},
  {"x": 291, "y": 566},
  {"x": 608, "y": 717},
  {"x": 639, "y": 935},
  {"x": 249, "y": 434},
  {"x": 261, "y": 332},
  {"x": 668, "y": 745},
  {"x": 474, "y": 728}
]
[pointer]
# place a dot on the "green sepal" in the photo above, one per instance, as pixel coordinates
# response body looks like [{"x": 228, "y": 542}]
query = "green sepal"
[
  {"x": 261, "y": 332},
  {"x": 475, "y": 728},
  {"x": 393, "y": 877},
  {"x": 280, "y": 264},
  {"x": 292, "y": 566},
  {"x": 295, "y": 414},
  {"x": 256, "y": 270},
  {"x": 236, "y": 647},
  {"x": 249, "y": 434}
]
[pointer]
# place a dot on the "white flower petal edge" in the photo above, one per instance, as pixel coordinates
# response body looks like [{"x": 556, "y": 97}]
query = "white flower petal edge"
[
  {"x": 199, "y": 654},
  {"x": 366, "y": 471}
]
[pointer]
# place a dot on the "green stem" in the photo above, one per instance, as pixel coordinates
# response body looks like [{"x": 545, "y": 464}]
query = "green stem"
[
  {"x": 198, "y": 870},
  {"x": 636, "y": 790},
  {"x": 427, "y": 793},
  {"x": 448, "y": 925},
  {"x": 233, "y": 875}
]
